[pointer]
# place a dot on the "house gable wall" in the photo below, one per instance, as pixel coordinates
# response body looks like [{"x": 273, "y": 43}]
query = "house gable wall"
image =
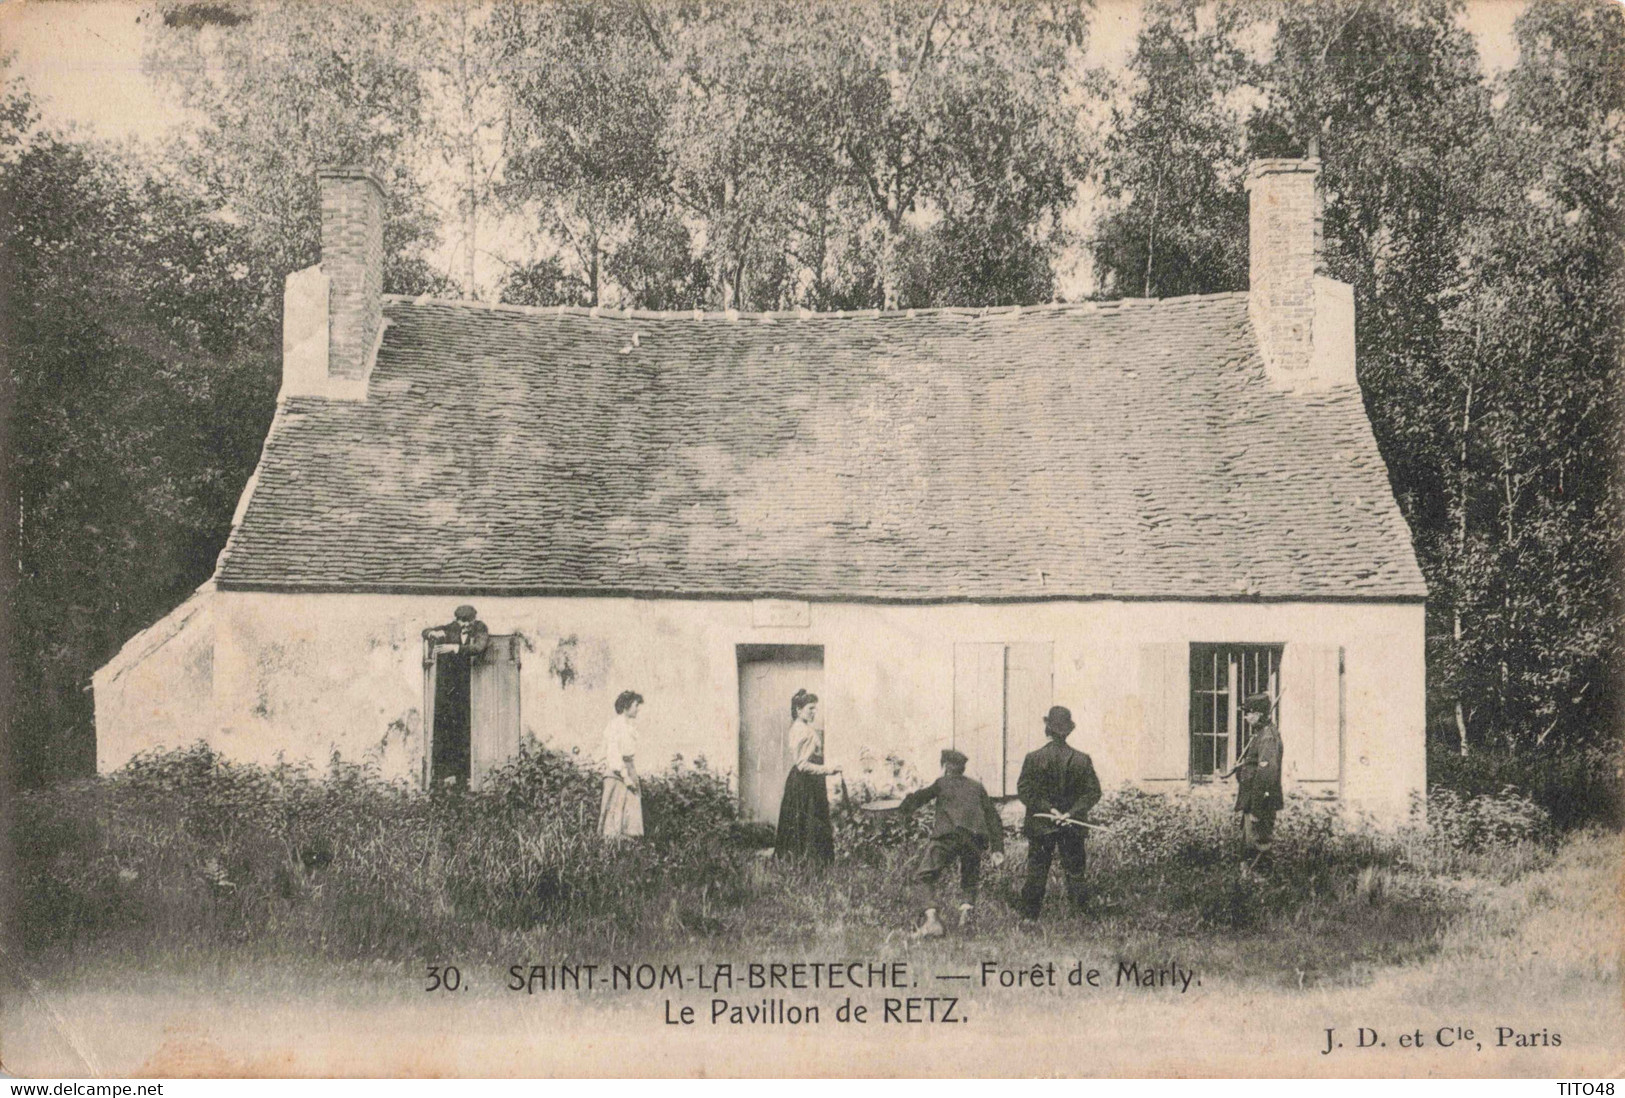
[{"x": 158, "y": 692}]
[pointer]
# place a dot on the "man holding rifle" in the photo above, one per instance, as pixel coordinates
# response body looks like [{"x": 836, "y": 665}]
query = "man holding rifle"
[
  {"x": 1258, "y": 788},
  {"x": 1058, "y": 786}
]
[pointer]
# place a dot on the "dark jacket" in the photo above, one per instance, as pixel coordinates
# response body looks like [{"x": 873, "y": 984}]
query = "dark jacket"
[
  {"x": 1056, "y": 778},
  {"x": 962, "y": 804},
  {"x": 474, "y": 637},
  {"x": 1258, "y": 773}
]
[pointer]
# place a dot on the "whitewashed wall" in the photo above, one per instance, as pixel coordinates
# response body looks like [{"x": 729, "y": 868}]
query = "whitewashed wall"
[
  {"x": 159, "y": 690},
  {"x": 307, "y": 675}
]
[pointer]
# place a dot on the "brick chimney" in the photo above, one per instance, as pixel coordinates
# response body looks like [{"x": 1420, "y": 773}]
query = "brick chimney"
[
  {"x": 332, "y": 313},
  {"x": 1304, "y": 320}
]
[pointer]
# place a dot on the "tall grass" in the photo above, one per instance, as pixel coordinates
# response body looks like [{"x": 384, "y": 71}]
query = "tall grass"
[
  {"x": 185, "y": 851},
  {"x": 186, "y": 846}
]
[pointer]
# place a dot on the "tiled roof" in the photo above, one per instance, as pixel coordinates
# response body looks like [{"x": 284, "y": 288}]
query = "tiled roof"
[{"x": 1132, "y": 449}]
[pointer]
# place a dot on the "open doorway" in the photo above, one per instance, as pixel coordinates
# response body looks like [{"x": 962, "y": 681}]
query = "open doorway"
[
  {"x": 769, "y": 675},
  {"x": 471, "y": 711}
]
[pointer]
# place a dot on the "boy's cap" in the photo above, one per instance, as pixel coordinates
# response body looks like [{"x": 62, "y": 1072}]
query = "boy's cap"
[
  {"x": 950, "y": 757},
  {"x": 1256, "y": 703}
]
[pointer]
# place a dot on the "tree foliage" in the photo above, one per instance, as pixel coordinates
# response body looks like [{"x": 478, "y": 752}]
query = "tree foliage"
[
  {"x": 280, "y": 88},
  {"x": 1175, "y": 158},
  {"x": 777, "y": 154},
  {"x": 1483, "y": 240},
  {"x": 1531, "y": 557},
  {"x": 142, "y": 373}
]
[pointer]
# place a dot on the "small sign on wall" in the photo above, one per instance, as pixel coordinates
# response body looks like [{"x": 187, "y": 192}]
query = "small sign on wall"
[{"x": 780, "y": 612}]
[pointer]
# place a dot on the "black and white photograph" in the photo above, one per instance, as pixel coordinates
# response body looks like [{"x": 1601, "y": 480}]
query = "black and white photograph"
[{"x": 812, "y": 538}]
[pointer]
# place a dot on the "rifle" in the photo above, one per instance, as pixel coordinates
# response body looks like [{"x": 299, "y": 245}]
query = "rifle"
[
  {"x": 1275, "y": 714},
  {"x": 1066, "y": 821}
]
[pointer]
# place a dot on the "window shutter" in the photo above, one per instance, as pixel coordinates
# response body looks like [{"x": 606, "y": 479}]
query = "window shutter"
[
  {"x": 428, "y": 712},
  {"x": 1029, "y": 686},
  {"x": 979, "y": 711},
  {"x": 1312, "y": 711},
  {"x": 1165, "y": 706},
  {"x": 493, "y": 708}
]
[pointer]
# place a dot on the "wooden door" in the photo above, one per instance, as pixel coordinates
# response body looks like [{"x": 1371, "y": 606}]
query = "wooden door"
[
  {"x": 1029, "y": 690},
  {"x": 979, "y": 712},
  {"x": 493, "y": 731},
  {"x": 769, "y": 676}
]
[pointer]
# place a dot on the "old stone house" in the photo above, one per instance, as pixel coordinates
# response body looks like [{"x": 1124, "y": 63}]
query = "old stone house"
[{"x": 941, "y": 521}]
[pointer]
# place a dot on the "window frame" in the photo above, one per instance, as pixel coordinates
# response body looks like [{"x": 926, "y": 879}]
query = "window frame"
[{"x": 1248, "y": 667}]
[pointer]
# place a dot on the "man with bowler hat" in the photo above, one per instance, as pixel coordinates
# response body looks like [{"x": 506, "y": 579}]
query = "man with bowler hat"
[{"x": 1058, "y": 786}]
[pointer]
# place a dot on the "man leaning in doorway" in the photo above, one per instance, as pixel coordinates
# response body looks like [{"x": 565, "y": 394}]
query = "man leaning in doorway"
[
  {"x": 1058, "y": 786},
  {"x": 465, "y": 634},
  {"x": 453, "y": 648}
]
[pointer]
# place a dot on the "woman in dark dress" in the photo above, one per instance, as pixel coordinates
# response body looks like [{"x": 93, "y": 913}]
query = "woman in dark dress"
[{"x": 804, "y": 827}]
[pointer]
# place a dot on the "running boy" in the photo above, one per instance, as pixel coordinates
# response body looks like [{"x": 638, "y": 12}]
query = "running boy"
[{"x": 967, "y": 824}]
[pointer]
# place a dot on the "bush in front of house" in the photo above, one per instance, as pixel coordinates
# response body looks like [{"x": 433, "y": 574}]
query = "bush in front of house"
[
  {"x": 185, "y": 845},
  {"x": 874, "y": 838},
  {"x": 529, "y": 852},
  {"x": 1482, "y": 821},
  {"x": 688, "y": 803},
  {"x": 185, "y": 850},
  {"x": 1337, "y": 897}
]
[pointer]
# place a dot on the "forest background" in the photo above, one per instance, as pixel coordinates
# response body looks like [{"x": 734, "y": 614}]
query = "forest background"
[{"x": 895, "y": 153}]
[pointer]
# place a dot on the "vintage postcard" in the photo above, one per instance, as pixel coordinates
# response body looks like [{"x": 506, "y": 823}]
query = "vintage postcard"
[{"x": 791, "y": 538}]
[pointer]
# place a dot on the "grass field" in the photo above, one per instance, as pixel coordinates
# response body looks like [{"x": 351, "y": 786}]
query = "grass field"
[{"x": 284, "y": 924}]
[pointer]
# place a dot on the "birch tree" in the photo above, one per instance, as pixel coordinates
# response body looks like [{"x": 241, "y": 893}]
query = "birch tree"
[
  {"x": 1175, "y": 158},
  {"x": 280, "y": 88}
]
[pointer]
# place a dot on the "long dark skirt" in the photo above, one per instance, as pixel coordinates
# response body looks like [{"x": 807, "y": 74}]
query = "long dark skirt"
[{"x": 804, "y": 827}]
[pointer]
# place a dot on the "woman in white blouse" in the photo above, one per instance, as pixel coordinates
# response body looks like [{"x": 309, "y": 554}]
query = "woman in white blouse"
[
  {"x": 620, "y": 814},
  {"x": 804, "y": 828}
]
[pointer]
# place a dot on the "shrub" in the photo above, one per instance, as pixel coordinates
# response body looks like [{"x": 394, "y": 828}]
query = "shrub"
[
  {"x": 874, "y": 838},
  {"x": 186, "y": 849},
  {"x": 1477, "y": 822},
  {"x": 1151, "y": 828},
  {"x": 1574, "y": 785},
  {"x": 186, "y": 844},
  {"x": 687, "y": 804}
]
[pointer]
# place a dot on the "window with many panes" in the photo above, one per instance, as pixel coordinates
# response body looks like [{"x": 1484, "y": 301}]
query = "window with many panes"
[{"x": 1222, "y": 675}]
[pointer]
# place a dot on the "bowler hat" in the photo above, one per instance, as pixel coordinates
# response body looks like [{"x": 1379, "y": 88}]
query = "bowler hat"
[
  {"x": 1058, "y": 719},
  {"x": 950, "y": 757},
  {"x": 1256, "y": 703},
  {"x": 465, "y": 612}
]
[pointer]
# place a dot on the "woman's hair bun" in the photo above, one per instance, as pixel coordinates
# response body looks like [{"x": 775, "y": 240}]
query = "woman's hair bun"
[{"x": 800, "y": 701}]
